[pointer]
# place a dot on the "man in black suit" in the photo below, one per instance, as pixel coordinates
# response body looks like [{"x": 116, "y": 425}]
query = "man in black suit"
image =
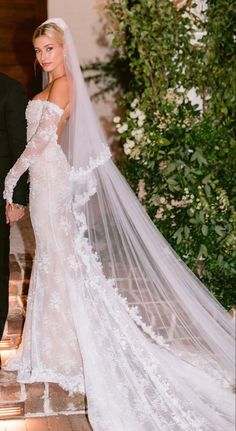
[{"x": 13, "y": 103}]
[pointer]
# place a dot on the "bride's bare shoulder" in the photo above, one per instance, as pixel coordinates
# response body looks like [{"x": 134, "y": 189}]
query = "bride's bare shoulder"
[{"x": 59, "y": 92}]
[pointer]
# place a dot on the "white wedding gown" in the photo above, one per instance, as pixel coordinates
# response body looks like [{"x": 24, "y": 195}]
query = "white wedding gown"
[{"x": 79, "y": 332}]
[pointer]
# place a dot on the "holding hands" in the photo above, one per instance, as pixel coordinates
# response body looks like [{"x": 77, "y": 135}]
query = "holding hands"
[{"x": 14, "y": 212}]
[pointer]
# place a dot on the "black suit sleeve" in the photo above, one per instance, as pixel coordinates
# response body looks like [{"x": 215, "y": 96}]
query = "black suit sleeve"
[{"x": 16, "y": 131}]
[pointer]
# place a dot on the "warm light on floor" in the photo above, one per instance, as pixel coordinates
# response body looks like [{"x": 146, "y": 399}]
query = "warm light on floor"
[
  {"x": 12, "y": 410},
  {"x": 7, "y": 344}
]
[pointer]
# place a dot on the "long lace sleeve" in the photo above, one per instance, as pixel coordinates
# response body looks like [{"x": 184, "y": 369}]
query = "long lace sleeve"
[{"x": 45, "y": 131}]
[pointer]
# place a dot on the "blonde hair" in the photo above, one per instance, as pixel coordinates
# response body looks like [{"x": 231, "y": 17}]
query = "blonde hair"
[{"x": 51, "y": 30}]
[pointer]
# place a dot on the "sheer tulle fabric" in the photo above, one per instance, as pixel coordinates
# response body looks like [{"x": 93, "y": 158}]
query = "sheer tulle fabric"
[
  {"x": 96, "y": 246},
  {"x": 143, "y": 265}
]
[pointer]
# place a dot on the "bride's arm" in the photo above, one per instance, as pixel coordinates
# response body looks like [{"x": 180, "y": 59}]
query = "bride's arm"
[{"x": 46, "y": 128}]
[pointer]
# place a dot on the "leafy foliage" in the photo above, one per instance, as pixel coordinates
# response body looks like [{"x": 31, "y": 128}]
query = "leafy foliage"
[
  {"x": 170, "y": 164},
  {"x": 180, "y": 159}
]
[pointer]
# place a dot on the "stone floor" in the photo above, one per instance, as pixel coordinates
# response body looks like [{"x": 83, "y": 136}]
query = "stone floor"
[{"x": 52, "y": 423}]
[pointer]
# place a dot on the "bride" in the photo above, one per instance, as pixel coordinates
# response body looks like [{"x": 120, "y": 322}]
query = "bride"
[{"x": 112, "y": 310}]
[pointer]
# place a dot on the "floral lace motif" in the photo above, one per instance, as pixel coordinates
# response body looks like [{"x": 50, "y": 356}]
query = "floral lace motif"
[
  {"x": 40, "y": 133},
  {"x": 82, "y": 173}
]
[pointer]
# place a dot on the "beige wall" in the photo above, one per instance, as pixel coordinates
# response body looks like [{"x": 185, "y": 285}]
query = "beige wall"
[{"x": 86, "y": 21}]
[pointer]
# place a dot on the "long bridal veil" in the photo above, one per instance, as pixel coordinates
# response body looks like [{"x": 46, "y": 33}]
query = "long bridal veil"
[{"x": 165, "y": 299}]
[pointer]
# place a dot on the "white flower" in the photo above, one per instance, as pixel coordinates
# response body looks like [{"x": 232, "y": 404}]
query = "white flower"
[
  {"x": 130, "y": 143},
  {"x": 180, "y": 100},
  {"x": 186, "y": 122},
  {"x": 141, "y": 189},
  {"x": 127, "y": 149},
  {"x": 142, "y": 116},
  {"x": 140, "y": 122},
  {"x": 133, "y": 114},
  {"x": 134, "y": 103},
  {"x": 138, "y": 112},
  {"x": 138, "y": 134},
  {"x": 170, "y": 95},
  {"x": 116, "y": 119},
  {"x": 162, "y": 200},
  {"x": 162, "y": 126},
  {"x": 123, "y": 128},
  {"x": 162, "y": 165},
  {"x": 159, "y": 215},
  {"x": 136, "y": 153}
]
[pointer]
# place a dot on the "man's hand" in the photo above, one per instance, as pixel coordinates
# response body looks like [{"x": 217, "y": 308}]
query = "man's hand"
[{"x": 14, "y": 213}]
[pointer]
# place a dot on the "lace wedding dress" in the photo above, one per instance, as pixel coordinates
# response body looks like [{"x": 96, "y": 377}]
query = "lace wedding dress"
[{"x": 79, "y": 332}]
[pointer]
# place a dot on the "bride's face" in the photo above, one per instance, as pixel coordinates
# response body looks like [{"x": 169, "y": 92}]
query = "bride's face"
[{"x": 49, "y": 53}]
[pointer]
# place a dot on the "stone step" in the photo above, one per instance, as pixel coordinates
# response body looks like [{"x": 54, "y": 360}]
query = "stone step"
[
  {"x": 18, "y": 287},
  {"x": 16, "y": 314},
  {"x": 20, "y": 270},
  {"x": 39, "y": 398}
]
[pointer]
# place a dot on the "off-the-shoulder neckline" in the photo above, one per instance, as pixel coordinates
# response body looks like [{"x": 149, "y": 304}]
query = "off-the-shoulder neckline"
[{"x": 47, "y": 102}]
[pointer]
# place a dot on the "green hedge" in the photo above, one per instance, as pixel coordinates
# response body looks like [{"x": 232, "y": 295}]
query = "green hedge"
[{"x": 179, "y": 159}]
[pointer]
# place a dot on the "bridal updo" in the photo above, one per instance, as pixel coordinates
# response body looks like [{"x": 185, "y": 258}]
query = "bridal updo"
[{"x": 51, "y": 30}]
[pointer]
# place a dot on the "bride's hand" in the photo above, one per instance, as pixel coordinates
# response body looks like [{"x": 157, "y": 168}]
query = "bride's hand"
[{"x": 14, "y": 213}]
